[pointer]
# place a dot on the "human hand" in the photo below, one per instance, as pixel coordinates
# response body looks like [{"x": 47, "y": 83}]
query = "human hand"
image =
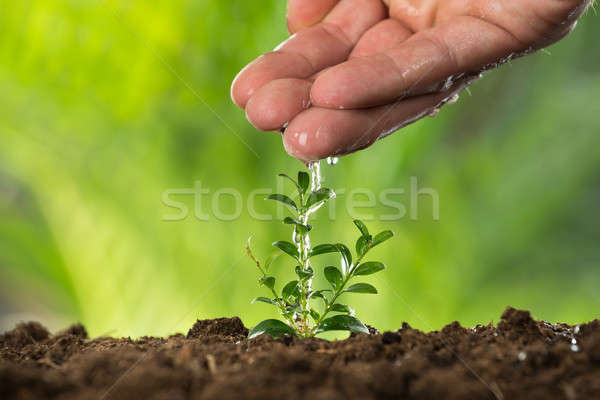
[{"x": 355, "y": 70}]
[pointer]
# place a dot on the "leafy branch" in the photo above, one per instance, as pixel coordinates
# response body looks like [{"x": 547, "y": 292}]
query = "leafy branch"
[{"x": 296, "y": 298}]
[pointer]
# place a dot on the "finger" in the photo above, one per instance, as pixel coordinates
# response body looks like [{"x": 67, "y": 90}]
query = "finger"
[
  {"x": 354, "y": 17},
  {"x": 321, "y": 132},
  {"x": 464, "y": 44},
  {"x": 385, "y": 35},
  {"x": 277, "y": 102},
  {"x": 268, "y": 67},
  {"x": 311, "y": 49},
  {"x": 302, "y": 14}
]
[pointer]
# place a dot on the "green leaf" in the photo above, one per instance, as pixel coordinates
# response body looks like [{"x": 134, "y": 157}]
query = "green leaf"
[
  {"x": 291, "y": 180},
  {"x": 272, "y": 327},
  {"x": 322, "y": 297},
  {"x": 271, "y": 258},
  {"x": 342, "y": 323},
  {"x": 268, "y": 281},
  {"x": 303, "y": 181},
  {"x": 333, "y": 276},
  {"x": 346, "y": 257},
  {"x": 342, "y": 308},
  {"x": 363, "y": 245},
  {"x": 361, "y": 227},
  {"x": 361, "y": 288},
  {"x": 290, "y": 289},
  {"x": 291, "y": 221},
  {"x": 302, "y": 228},
  {"x": 382, "y": 237},
  {"x": 319, "y": 294},
  {"x": 287, "y": 248},
  {"x": 264, "y": 300},
  {"x": 319, "y": 196},
  {"x": 304, "y": 274},
  {"x": 323, "y": 249},
  {"x": 282, "y": 198},
  {"x": 369, "y": 268},
  {"x": 314, "y": 314}
]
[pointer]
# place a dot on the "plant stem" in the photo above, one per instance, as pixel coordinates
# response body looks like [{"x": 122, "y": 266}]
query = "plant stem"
[
  {"x": 304, "y": 245},
  {"x": 305, "y": 285}
]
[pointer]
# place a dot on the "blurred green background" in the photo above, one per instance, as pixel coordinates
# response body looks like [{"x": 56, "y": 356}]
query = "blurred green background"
[{"x": 95, "y": 125}]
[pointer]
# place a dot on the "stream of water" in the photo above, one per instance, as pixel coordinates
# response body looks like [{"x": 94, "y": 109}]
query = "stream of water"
[{"x": 302, "y": 240}]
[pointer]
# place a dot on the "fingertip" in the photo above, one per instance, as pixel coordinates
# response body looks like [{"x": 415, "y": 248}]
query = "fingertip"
[
  {"x": 297, "y": 144},
  {"x": 302, "y": 139},
  {"x": 277, "y": 103},
  {"x": 261, "y": 113},
  {"x": 316, "y": 134},
  {"x": 241, "y": 91},
  {"x": 258, "y": 117},
  {"x": 266, "y": 68}
]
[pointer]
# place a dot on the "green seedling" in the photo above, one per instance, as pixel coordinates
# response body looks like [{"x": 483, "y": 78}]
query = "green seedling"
[{"x": 307, "y": 312}]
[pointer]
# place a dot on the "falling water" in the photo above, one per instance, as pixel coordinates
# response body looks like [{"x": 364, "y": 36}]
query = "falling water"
[
  {"x": 303, "y": 241},
  {"x": 315, "y": 170}
]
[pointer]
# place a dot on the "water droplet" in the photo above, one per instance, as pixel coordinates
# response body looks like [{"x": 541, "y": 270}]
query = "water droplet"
[
  {"x": 576, "y": 330},
  {"x": 449, "y": 82},
  {"x": 332, "y": 160},
  {"x": 434, "y": 113},
  {"x": 452, "y": 99},
  {"x": 574, "y": 348},
  {"x": 496, "y": 334},
  {"x": 303, "y": 139},
  {"x": 522, "y": 356},
  {"x": 283, "y": 128},
  {"x": 573, "y": 341}
]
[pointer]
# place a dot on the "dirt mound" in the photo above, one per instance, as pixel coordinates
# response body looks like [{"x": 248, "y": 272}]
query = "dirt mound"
[
  {"x": 519, "y": 359},
  {"x": 221, "y": 327}
]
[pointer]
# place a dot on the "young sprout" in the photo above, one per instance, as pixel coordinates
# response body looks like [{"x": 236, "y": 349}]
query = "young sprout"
[{"x": 308, "y": 312}]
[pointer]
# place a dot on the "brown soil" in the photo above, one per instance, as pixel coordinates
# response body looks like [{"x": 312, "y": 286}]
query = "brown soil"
[{"x": 518, "y": 359}]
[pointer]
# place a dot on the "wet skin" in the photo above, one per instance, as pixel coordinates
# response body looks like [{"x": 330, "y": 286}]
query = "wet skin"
[{"x": 354, "y": 71}]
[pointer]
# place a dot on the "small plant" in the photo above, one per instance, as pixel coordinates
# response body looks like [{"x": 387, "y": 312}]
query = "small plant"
[{"x": 295, "y": 299}]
